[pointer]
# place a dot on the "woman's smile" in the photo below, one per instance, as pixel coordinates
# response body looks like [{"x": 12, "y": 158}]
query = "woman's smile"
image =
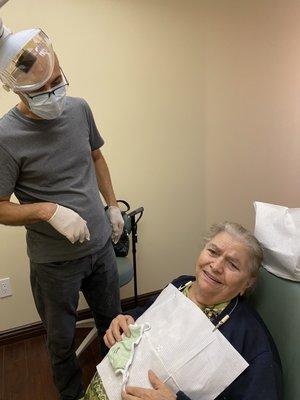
[{"x": 211, "y": 279}]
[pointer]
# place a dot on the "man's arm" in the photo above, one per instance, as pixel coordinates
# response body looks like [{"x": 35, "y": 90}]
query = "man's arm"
[
  {"x": 103, "y": 178},
  {"x": 23, "y": 214},
  {"x": 107, "y": 191},
  {"x": 64, "y": 220}
]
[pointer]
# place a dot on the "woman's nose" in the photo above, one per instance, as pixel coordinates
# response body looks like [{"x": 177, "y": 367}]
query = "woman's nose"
[{"x": 217, "y": 265}]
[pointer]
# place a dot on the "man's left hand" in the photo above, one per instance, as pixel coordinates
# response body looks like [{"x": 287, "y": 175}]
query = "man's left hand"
[
  {"x": 117, "y": 222},
  {"x": 160, "y": 391}
]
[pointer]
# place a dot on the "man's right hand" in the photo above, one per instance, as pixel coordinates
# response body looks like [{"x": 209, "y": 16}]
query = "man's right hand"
[
  {"x": 117, "y": 326},
  {"x": 69, "y": 224}
]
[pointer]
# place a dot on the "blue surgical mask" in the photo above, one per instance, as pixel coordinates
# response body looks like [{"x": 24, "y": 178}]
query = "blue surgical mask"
[{"x": 48, "y": 105}]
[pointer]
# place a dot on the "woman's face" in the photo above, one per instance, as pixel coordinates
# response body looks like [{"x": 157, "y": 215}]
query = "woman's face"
[{"x": 222, "y": 270}]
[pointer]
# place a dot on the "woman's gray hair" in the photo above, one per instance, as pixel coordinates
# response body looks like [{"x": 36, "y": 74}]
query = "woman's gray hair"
[{"x": 242, "y": 234}]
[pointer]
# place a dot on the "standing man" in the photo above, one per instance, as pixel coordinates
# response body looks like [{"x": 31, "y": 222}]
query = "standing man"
[{"x": 50, "y": 158}]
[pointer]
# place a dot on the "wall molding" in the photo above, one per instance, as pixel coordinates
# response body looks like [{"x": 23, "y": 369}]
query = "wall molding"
[{"x": 13, "y": 335}]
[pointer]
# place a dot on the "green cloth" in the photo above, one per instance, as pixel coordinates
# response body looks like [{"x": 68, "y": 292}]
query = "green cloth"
[
  {"x": 118, "y": 355},
  {"x": 121, "y": 353}
]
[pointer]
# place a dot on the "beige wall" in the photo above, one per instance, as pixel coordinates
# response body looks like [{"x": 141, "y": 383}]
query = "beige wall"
[
  {"x": 252, "y": 107},
  {"x": 136, "y": 64},
  {"x": 199, "y": 104}
]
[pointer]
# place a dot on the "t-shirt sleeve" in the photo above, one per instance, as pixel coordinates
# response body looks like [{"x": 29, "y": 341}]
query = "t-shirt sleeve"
[
  {"x": 9, "y": 173},
  {"x": 96, "y": 139}
]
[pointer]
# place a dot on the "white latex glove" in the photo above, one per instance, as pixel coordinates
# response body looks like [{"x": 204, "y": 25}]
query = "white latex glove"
[
  {"x": 70, "y": 224},
  {"x": 116, "y": 221}
]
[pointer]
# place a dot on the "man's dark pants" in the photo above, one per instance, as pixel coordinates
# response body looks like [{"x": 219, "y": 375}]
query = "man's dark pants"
[{"x": 55, "y": 288}]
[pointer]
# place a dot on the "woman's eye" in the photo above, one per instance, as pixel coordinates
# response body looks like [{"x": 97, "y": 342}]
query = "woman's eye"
[
  {"x": 233, "y": 265},
  {"x": 212, "y": 251}
]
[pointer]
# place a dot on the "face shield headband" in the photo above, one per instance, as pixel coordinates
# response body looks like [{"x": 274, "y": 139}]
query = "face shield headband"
[{"x": 26, "y": 60}]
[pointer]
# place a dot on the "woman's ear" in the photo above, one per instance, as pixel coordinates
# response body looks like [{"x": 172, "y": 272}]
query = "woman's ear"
[{"x": 250, "y": 282}]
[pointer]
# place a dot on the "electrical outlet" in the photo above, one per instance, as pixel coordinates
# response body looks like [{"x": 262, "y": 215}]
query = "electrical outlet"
[{"x": 5, "y": 288}]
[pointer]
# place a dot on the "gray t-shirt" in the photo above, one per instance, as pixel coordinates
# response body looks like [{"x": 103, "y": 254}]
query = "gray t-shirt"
[{"x": 50, "y": 160}]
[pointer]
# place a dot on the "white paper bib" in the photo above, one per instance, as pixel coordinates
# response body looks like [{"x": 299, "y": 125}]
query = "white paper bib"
[{"x": 181, "y": 348}]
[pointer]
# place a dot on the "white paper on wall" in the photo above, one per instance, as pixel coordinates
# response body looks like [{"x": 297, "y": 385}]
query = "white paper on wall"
[{"x": 277, "y": 228}]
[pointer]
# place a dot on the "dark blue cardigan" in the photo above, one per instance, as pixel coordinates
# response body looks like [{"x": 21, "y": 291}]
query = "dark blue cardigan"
[{"x": 247, "y": 333}]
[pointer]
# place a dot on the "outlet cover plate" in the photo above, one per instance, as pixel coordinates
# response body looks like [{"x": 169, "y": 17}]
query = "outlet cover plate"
[{"x": 5, "y": 287}]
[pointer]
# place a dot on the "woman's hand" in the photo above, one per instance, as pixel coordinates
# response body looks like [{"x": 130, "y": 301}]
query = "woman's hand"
[
  {"x": 160, "y": 391},
  {"x": 117, "y": 326}
]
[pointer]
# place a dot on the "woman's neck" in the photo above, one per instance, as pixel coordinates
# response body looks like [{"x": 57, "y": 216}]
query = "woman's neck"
[{"x": 196, "y": 297}]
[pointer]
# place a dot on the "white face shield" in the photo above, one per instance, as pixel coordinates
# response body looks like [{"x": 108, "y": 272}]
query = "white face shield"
[{"x": 26, "y": 60}]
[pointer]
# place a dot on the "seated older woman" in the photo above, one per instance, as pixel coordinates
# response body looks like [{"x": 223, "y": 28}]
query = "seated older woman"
[{"x": 226, "y": 269}]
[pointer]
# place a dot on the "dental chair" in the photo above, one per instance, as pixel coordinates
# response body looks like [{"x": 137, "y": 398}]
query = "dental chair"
[
  {"x": 126, "y": 269},
  {"x": 278, "y": 302}
]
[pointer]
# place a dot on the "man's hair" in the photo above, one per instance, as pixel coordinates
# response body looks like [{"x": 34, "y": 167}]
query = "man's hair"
[{"x": 242, "y": 234}]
